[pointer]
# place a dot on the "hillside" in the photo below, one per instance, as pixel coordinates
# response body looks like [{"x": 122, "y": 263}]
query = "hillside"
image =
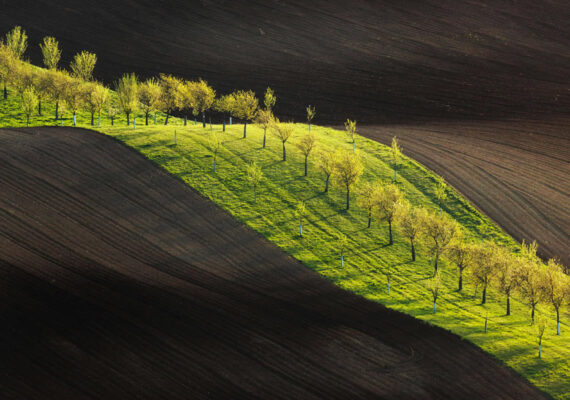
[{"x": 119, "y": 281}]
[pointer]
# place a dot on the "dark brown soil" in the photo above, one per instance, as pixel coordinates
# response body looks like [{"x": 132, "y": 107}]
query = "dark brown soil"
[{"x": 117, "y": 281}]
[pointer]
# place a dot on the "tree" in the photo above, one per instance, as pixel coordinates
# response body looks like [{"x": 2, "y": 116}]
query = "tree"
[
  {"x": 556, "y": 288},
  {"x": 21, "y": 76},
  {"x": 245, "y": 107},
  {"x": 29, "y": 102},
  {"x": 185, "y": 100},
  {"x": 7, "y": 61},
  {"x": 306, "y": 145},
  {"x": 215, "y": 143},
  {"x": 396, "y": 152},
  {"x": 283, "y": 131},
  {"x": 540, "y": 330},
  {"x": 347, "y": 171},
  {"x": 17, "y": 42},
  {"x": 269, "y": 100},
  {"x": 411, "y": 221},
  {"x": 112, "y": 111},
  {"x": 350, "y": 127},
  {"x": 433, "y": 285},
  {"x": 41, "y": 79},
  {"x": 83, "y": 65},
  {"x": 57, "y": 82},
  {"x": 387, "y": 199},
  {"x": 508, "y": 275},
  {"x": 254, "y": 176},
  {"x": 96, "y": 97},
  {"x": 149, "y": 97},
  {"x": 225, "y": 105},
  {"x": 50, "y": 52},
  {"x": 388, "y": 271},
  {"x": 170, "y": 95},
  {"x": 440, "y": 192},
  {"x": 367, "y": 198},
  {"x": 342, "y": 243},
  {"x": 311, "y": 113},
  {"x": 201, "y": 98},
  {"x": 532, "y": 276},
  {"x": 439, "y": 231},
  {"x": 127, "y": 94},
  {"x": 326, "y": 162},
  {"x": 74, "y": 96},
  {"x": 484, "y": 266},
  {"x": 300, "y": 213},
  {"x": 462, "y": 255},
  {"x": 264, "y": 119}
]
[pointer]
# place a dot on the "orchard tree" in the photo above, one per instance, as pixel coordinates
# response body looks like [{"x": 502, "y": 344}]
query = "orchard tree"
[
  {"x": 283, "y": 131},
  {"x": 245, "y": 107},
  {"x": 215, "y": 143},
  {"x": 556, "y": 288},
  {"x": 149, "y": 97},
  {"x": 440, "y": 192},
  {"x": 29, "y": 102},
  {"x": 170, "y": 94},
  {"x": 74, "y": 97},
  {"x": 508, "y": 275},
  {"x": 326, "y": 162},
  {"x": 367, "y": 199},
  {"x": 50, "y": 52},
  {"x": 83, "y": 65},
  {"x": 202, "y": 96},
  {"x": 342, "y": 243},
  {"x": 96, "y": 98},
  {"x": 7, "y": 61},
  {"x": 112, "y": 111},
  {"x": 306, "y": 145},
  {"x": 387, "y": 199},
  {"x": 127, "y": 94},
  {"x": 57, "y": 85},
  {"x": 264, "y": 119},
  {"x": 484, "y": 268},
  {"x": 17, "y": 42},
  {"x": 350, "y": 127},
  {"x": 311, "y": 113},
  {"x": 462, "y": 254},
  {"x": 41, "y": 79},
  {"x": 185, "y": 100},
  {"x": 269, "y": 100},
  {"x": 347, "y": 171},
  {"x": 254, "y": 176},
  {"x": 532, "y": 276},
  {"x": 411, "y": 221},
  {"x": 21, "y": 76},
  {"x": 540, "y": 330},
  {"x": 300, "y": 213},
  {"x": 396, "y": 152},
  {"x": 434, "y": 285},
  {"x": 438, "y": 233},
  {"x": 225, "y": 105},
  {"x": 388, "y": 271}
]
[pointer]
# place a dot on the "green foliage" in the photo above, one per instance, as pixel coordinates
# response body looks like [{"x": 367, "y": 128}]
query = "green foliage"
[
  {"x": 311, "y": 113},
  {"x": 50, "y": 52},
  {"x": 269, "y": 100},
  {"x": 17, "y": 42},
  {"x": 29, "y": 102},
  {"x": 245, "y": 105},
  {"x": 83, "y": 65},
  {"x": 127, "y": 94}
]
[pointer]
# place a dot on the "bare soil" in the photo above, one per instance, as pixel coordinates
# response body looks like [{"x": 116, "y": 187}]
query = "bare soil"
[{"x": 118, "y": 281}]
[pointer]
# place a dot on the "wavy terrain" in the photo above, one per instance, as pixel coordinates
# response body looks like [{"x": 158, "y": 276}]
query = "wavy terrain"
[
  {"x": 119, "y": 281},
  {"x": 479, "y": 90}
]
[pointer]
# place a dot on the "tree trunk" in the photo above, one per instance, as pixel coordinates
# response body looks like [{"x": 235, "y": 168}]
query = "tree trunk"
[
  {"x": 327, "y": 184},
  {"x": 369, "y": 218},
  {"x": 484, "y": 298},
  {"x": 309, "y": 127},
  {"x": 558, "y": 321},
  {"x": 92, "y": 119},
  {"x": 56, "y": 110},
  {"x": 128, "y": 119},
  {"x": 413, "y": 250},
  {"x": 27, "y": 121},
  {"x": 40, "y": 107},
  {"x": 74, "y": 119},
  {"x": 99, "y": 120},
  {"x": 347, "y": 197},
  {"x": 146, "y": 118},
  {"x": 244, "y": 130},
  {"x": 390, "y": 231},
  {"x": 185, "y": 120},
  {"x": 224, "y": 125},
  {"x": 166, "y": 119},
  {"x": 434, "y": 306},
  {"x": 460, "y": 286},
  {"x": 306, "y": 165},
  {"x": 5, "y": 91},
  {"x": 112, "y": 121},
  {"x": 508, "y": 304},
  {"x": 203, "y": 120},
  {"x": 533, "y": 306},
  {"x": 435, "y": 263},
  {"x": 264, "y": 136},
  {"x": 155, "y": 117},
  {"x": 284, "y": 153}
]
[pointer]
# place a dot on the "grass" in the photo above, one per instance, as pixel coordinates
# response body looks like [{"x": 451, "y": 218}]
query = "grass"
[{"x": 510, "y": 339}]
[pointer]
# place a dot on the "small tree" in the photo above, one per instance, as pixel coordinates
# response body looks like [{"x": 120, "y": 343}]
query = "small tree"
[
  {"x": 508, "y": 275},
  {"x": 440, "y": 192},
  {"x": 269, "y": 100},
  {"x": 540, "y": 330},
  {"x": 556, "y": 288},
  {"x": 411, "y": 221},
  {"x": 245, "y": 107},
  {"x": 225, "y": 105},
  {"x": 366, "y": 199},
  {"x": 83, "y": 65},
  {"x": 306, "y": 145},
  {"x": 127, "y": 94},
  {"x": 350, "y": 127},
  {"x": 388, "y": 271},
  {"x": 254, "y": 176},
  {"x": 439, "y": 232},
  {"x": 396, "y": 152},
  {"x": 311, "y": 113},
  {"x": 347, "y": 170},
  {"x": 342, "y": 243},
  {"x": 149, "y": 97},
  {"x": 387, "y": 200},
  {"x": 17, "y": 42},
  {"x": 50, "y": 52},
  {"x": 7, "y": 61},
  {"x": 98, "y": 99},
  {"x": 433, "y": 285},
  {"x": 326, "y": 162},
  {"x": 29, "y": 103},
  {"x": 484, "y": 266},
  {"x": 264, "y": 119},
  {"x": 171, "y": 88},
  {"x": 112, "y": 111},
  {"x": 283, "y": 131},
  {"x": 300, "y": 213},
  {"x": 532, "y": 277},
  {"x": 215, "y": 143},
  {"x": 57, "y": 82},
  {"x": 42, "y": 84},
  {"x": 462, "y": 255},
  {"x": 202, "y": 98},
  {"x": 74, "y": 97}
]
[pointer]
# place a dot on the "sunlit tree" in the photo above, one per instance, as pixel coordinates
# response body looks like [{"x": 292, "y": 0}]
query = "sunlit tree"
[
  {"x": 254, "y": 176},
  {"x": 215, "y": 144},
  {"x": 29, "y": 102},
  {"x": 440, "y": 192},
  {"x": 96, "y": 98},
  {"x": 366, "y": 198},
  {"x": 350, "y": 127},
  {"x": 283, "y": 132},
  {"x": 347, "y": 171},
  {"x": 127, "y": 94},
  {"x": 245, "y": 107},
  {"x": 170, "y": 94},
  {"x": 556, "y": 288},
  {"x": 224, "y": 105},
  {"x": 264, "y": 119},
  {"x": 388, "y": 198},
  {"x": 326, "y": 163},
  {"x": 462, "y": 254},
  {"x": 508, "y": 275},
  {"x": 311, "y": 113},
  {"x": 439, "y": 231},
  {"x": 269, "y": 99},
  {"x": 83, "y": 65},
  {"x": 396, "y": 152},
  {"x": 434, "y": 286},
  {"x": 484, "y": 267},
  {"x": 74, "y": 96},
  {"x": 411, "y": 221},
  {"x": 306, "y": 145},
  {"x": 150, "y": 94},
  {"x": 50, "y": 52},
  {"x": 17, "y": 42}
]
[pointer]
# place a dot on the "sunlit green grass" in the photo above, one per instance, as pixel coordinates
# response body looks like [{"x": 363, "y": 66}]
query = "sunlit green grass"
[{"x": 510, "y": 339}]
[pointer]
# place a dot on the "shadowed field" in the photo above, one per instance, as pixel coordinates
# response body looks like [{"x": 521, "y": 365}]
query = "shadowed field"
[{"x": 119, "y": 281}]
